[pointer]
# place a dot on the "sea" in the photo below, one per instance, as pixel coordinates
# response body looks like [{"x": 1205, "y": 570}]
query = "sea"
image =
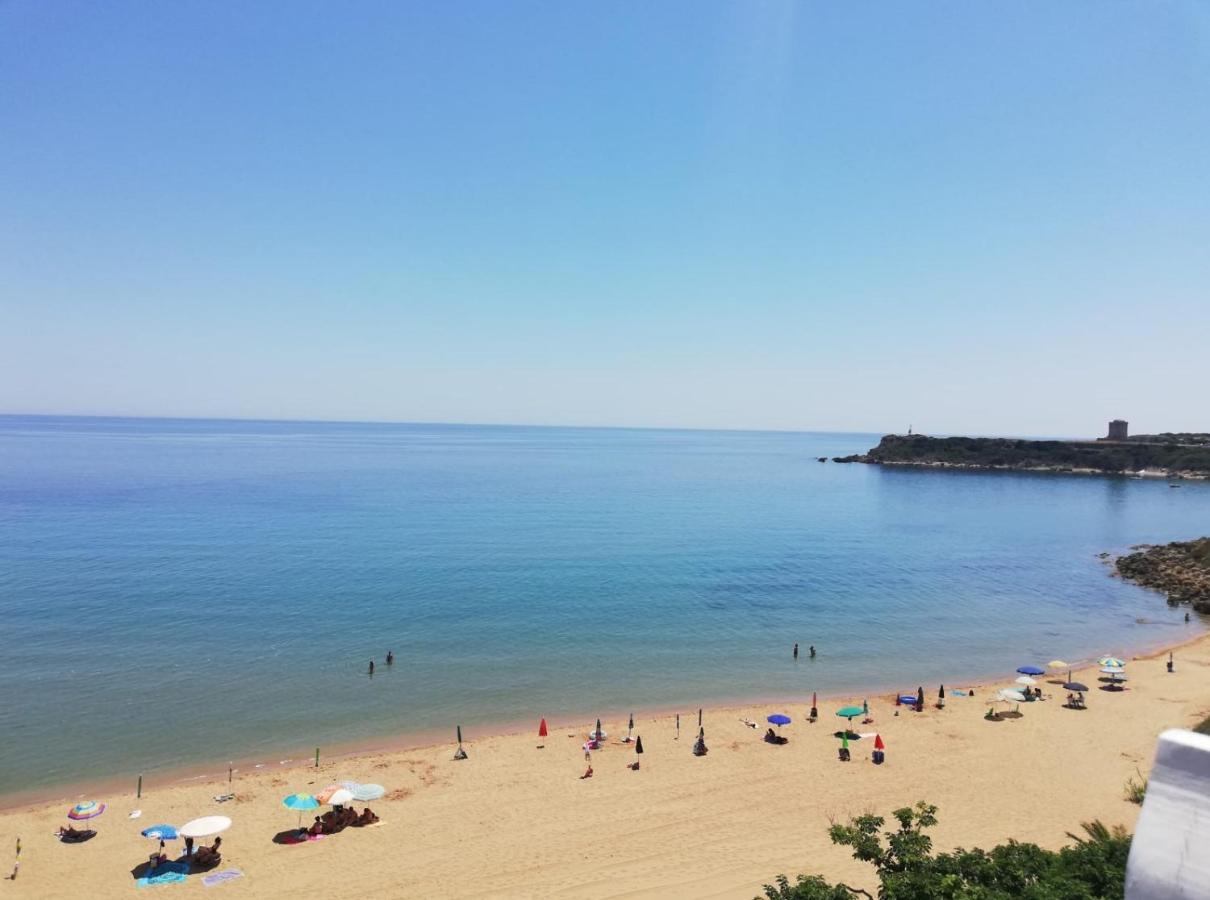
[{"x": 180, "y": 593}]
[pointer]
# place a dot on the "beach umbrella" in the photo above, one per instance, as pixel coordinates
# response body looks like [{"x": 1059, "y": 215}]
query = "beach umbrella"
[
  {"x": 630, "y": 727},
  {"x": 340, "y": 797},
  {"x": 1111, "y": 662},
  {"x": 1113, "y": 672},
  {"x": 848, "y": 712},
  {"x": 1031, "y": 670},
  {"x": 1010, "y": 696},
  {"x": 365, "y": 792},
  {"x": 86, "y": 809},
  {"x": 941, "y": 693},
  {"x": 542, "y": 730},
  {"x": 878, "y": 744},
  {"x": 920, "y": 697},
  {"x": 907, "y": 699},
  {"x": 204, "y": 827},
  {"x": 1026, "y": 680},
  {"x": 325, "y": 795},
  {"x": 459, "y": 735},
  {"x": 638, "y": 744},
  {"x": 1075, "y": 686},
  {"x": 814, "y": 705},
  {"x": 1058, "y": 664},
  {"x": 778, "y": 719},
  {"x": 161, "y": 832},
  {"x": 598, "y": 734},
  {"x": 300, "y": 802}
]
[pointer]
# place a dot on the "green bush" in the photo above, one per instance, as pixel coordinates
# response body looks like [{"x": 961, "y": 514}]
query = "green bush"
[{"x": 1093, "y": 868}]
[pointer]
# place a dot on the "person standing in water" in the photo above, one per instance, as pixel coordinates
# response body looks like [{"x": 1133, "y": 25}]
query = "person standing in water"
[
  {"x": 796, "y": 650},
  {"x": 812, "y": 650},
  {"x": 371, "y": 668},
  {"x": 390, "y": 657}
]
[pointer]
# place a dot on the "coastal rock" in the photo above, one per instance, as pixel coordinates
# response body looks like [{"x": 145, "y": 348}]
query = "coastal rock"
[
  {"x": 1180, "y": 569},
  {"x": 1156, "y": 460}
]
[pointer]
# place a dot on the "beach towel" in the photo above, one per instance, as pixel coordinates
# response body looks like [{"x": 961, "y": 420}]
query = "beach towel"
[
  {"x": 221, "y": 877},
  {"x": 957, "y": 693},
  {"x": 168, "y": 873}
]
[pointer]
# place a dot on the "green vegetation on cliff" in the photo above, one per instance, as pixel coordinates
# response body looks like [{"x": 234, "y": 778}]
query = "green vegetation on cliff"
[{"x": 1060, "y": 456}]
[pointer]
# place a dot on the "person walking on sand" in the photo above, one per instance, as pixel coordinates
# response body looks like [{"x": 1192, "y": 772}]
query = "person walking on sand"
[{"x": 796, "y": 649}]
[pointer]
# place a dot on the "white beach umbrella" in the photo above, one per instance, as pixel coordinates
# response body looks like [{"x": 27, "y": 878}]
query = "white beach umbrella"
[
  {"x": 340, "y": 797},
  {"x": 204, "y": 827},
  {"x": 1008, "y": 695},
  {"x": 1026, "y": 680}
]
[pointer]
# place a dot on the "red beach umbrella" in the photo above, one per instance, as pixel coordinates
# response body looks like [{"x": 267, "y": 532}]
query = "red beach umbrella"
[
  {"x": 542, "y": 732},
  {"x": 878, "y": 744}
]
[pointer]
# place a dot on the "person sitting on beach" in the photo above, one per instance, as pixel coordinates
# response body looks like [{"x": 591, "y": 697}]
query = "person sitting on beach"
[
  {"x": 367, "y": 817},
  {"x": 208, "y": 856},
  {"x": 770, "y": 736},
  {"x": 634, "y": 765},
  {"x": 316, "y": 829},
  {"x": 587, "y": 774}
]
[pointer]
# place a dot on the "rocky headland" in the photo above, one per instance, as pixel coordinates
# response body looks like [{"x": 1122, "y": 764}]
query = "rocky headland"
[
  {"x": 1180, "y": 569},
  {"x": 1161, "y": 459}
]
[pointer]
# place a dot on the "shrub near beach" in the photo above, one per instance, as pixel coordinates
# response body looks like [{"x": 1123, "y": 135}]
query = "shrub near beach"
[{"x": 1093, "y": 868}]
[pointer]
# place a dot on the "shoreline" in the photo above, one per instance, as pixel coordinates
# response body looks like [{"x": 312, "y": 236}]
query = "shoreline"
[
  {"x": 214, "y": 773},
  {"x": 518, "y": 818}
]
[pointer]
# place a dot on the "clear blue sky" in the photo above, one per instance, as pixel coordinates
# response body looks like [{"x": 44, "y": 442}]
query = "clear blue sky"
[{"x": 974, "y": 217}]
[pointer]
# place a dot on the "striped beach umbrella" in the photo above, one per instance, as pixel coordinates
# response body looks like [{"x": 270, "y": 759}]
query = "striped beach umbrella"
[
  {"x": 87, "y": 809},
  {"x": 1111, "y": 662}
]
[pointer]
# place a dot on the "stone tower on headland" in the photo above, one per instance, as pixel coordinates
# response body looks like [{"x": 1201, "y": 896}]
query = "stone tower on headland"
[{"x": 1117, "y": 430}]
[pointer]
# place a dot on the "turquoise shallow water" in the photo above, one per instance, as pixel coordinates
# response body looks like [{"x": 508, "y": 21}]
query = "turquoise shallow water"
[{"x": 175, "y": 592}]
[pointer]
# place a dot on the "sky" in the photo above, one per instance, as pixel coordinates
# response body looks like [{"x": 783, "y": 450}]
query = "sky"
[{"x": 969, "y": 217}]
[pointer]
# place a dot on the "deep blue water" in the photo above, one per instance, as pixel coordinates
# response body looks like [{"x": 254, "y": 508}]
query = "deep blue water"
[{"x": 174, "y": 592}]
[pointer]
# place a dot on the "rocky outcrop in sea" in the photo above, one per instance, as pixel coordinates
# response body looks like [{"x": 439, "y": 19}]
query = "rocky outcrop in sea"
[{"x": 1180, "y": 569}]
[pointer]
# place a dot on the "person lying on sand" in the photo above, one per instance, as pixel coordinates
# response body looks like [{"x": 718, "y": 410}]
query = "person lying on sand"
[
  {"x": 634, "y": 765},
  {"x": 749, "y": 723}
]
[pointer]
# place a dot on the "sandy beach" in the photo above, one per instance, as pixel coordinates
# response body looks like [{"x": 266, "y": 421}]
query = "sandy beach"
[{"x": 515, "y": 820}]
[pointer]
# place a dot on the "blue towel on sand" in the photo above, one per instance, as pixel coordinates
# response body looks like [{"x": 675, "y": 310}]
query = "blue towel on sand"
[{"x": 168, "y": 873}]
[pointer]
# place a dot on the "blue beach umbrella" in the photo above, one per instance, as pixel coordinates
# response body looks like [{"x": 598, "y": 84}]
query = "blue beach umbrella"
[
  {"x": 300, "y": 802},
  {"x": 160, "y": 832},
  {"x": 1031, "y": 670},
  {"x": 778, "y": 719}
]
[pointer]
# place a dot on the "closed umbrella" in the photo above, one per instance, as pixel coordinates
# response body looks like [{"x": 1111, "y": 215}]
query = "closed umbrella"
[
  {"x": 638, "y": 744},
  {"x": 814, "y": 706},
  {"x": 630, "y": 728},
  {"x": 598, "y": 734},
  {"x": 919, "y": 698},
  {"x": 542, "y": 730}
]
